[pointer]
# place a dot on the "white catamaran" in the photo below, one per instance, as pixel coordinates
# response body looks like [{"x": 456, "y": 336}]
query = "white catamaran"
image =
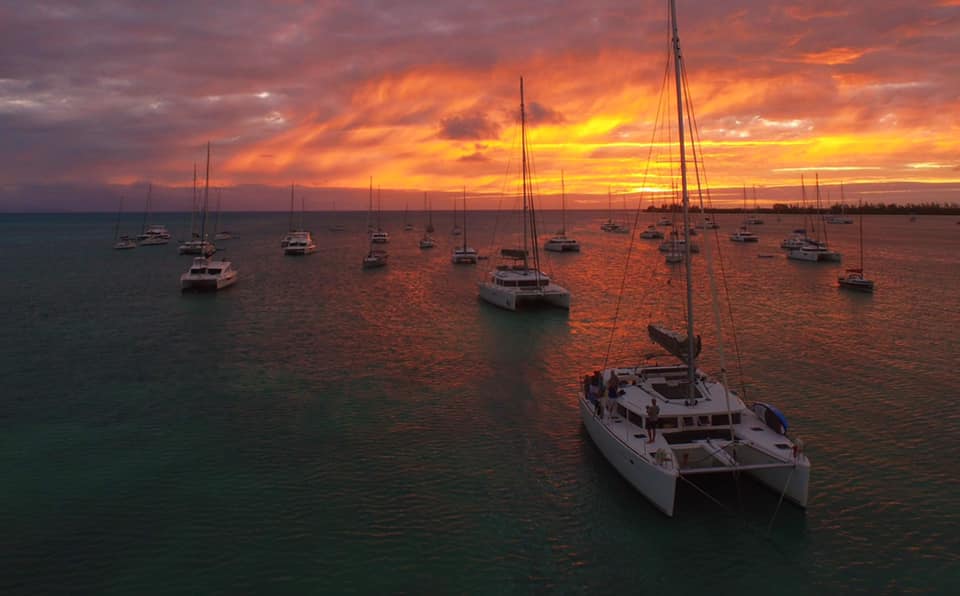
[
  {"x": 663, "y": 424},
  {"x": 517, "y": 285}
]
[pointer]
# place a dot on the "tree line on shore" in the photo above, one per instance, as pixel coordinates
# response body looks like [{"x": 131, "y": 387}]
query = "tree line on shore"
[{"x": 837, "y": 208}]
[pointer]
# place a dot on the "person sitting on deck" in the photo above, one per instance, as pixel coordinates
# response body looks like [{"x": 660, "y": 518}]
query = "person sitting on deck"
[{"x": 653, "y": 417}]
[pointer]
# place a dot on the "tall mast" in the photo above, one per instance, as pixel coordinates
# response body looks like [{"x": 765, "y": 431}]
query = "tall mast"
[
  {"x": 116, "y": 229},
  {"x": 291, "y": 208},
  {"x": 146, "y": 212},
  {"x": 678, "y": 68},
  {"x": 464, "y": 218},
  {"x": 193, "y": 206},
  {"x": 860, "y": 209},
  {"x": 563, "y": 207},
  {"x": 370, "y": 207},
  {"x": 523, "y": 155},
  {"x": 379, "y": 209},
  {"x": 206, "y": 198},
  {"x": 303, "y": 208}
]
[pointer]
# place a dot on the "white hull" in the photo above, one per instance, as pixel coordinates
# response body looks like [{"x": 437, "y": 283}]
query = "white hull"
[
  {"x": 658, "y": 483},
  {"x": 154, "y": 241},
  {"x": 295, "y": 251},
  {"x": 206, "y": 284},
  {"x": 516, "y": 298},
  {"x": 566, "y": 246}
]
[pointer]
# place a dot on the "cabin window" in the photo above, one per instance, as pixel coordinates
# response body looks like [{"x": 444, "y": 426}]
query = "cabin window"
[
  {"x": 213, "y": 271},
  {"x": 622, "y": 411},
  {"x": 736, "y": 418},
  {"x": 668, "y": 422},
  {"x": 197, "y": 271},
  {"x": 635, "y": 418},
  {"x": 721, "y": 420},
  {"x": 703, "y": 420},
  {"x": 688, "y": 420}
]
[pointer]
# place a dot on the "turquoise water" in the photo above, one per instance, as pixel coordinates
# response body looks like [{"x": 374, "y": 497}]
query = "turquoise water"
[{"x": 320, "y": 428}]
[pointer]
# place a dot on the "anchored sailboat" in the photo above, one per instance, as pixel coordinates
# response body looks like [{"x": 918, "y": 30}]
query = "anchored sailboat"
[
  {"x": 517, "y": 285},
  {"x": 463, "y": 254},
  {"x": 662, "y": 425},
  {"x": 560, "y": 242},
  {"x": 854, "y": 279}
]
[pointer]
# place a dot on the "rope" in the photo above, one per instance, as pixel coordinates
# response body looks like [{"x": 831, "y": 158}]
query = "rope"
[{"x": 782, "y": 494}]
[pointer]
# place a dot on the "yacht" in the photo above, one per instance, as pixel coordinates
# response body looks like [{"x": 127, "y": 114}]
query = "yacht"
[
  {"x": 375, "y": 258},
  {"x": 124, "y": 243},
  {"x": 854, "y": 279},
  {"x": 708, "y": 224},
  {"x": 517, "y": 285},
  {"x": 463, "y": 254},
  {"x": 663, "y": 424},
  {"x": 664, "y": 222},
  {"x": 197, "y": 247},
  {"x": 813, "y": 252},
  {"x": 676, "y": 242},
  {"x": 560, "y": 242},
  {"x": 744, "y": 235},
  {"x": 153, "y": 235},
  {"x": 427, "y": 241},
  {"x": 651, "y": 233},
  {"x": 121, "y": 242},
  {"x": 796, "y": 239},
  {"x": 300, "y": 244},
  {"x": 205, "y": 275}
]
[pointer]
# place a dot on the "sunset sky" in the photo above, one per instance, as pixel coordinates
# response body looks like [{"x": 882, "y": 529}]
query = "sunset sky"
[{"x": 423, "y": 96}]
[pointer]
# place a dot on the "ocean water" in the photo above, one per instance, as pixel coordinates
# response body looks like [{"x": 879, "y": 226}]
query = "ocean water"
[{"x": 321, "y": 428}]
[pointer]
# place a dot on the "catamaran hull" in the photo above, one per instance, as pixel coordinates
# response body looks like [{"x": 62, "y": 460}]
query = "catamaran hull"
[
  {"x": 299, "y": 251},
  {"x": 795, "y": 479},
  {"x": 656, "y": 483},
  {"x": 206, "y": 285},
  {"x": 514, "y": 299},
  {"x": 562, "y": 247}
]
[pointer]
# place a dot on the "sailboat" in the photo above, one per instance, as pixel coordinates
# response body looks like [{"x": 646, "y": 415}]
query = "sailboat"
[
  {"x": 517, "y": 285},
  {"x": 429, "y": 227},
  {"x": 815, "y": 250},
  {"x": 843, "y": 218},
  {"x": 623, "y": 228},
  {"x": 456, "y": 231},
  {"x": 560, "y": 242},
  {"x": 609, "y": 225},
  {"x": 221, "y": 234},
  {"x": 664, "y": 424},
  {"x": 407, "y": 226},
  {"x": 121, "y": 242},
  {"x": 337, "y": 227},
  {"x": 152, "y": 234},
  {"x": 427, "y": 241},
  {"x": 854, "y": 279},
  {"x": 198, "y": 243},
  {"x": 463, "y": 254},
  {"x": 754, "y": 219},
  {"x": 376, "y": 257},
  {"x": 743, "y": 234},
  {"x": 379, "y": 236},
  {"x": 299, "y": 242},
  {"x": 204, "y": 274}
]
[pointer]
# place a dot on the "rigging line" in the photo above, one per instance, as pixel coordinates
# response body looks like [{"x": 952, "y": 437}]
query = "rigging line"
[
  {"x": 780, "y": 502},
  {"x": 723, "y": 274},
  {"x": 626, "y": 265}
]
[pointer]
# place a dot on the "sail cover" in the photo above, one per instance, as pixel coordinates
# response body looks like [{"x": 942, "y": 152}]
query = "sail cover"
[{"x": 673, "y": 342}]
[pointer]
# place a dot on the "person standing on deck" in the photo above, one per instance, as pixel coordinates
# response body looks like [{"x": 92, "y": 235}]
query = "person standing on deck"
[{"x": 653, "y": 418}]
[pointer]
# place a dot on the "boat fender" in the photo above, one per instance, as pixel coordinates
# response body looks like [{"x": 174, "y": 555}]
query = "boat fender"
[{"x": 797, "y": 447}]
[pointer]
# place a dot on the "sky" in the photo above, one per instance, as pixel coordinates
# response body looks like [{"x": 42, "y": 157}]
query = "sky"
[{"x": 423, "y": 96}]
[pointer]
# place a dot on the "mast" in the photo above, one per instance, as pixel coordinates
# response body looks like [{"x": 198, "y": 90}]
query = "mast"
[
  {"x": 860, "y": 209},
  {"x": 379, "y": 209},
  {"x": 193, "y": 206},
  {"x": 563, "y": 207},
  {"x": 216, "y": 223},
  {"x": 116, "y": 229},
  {"x": 370, "y": 207},
  {"x": 146, "y": 212},
  {"x": 303, "y": 209},
  {"x": 523, "y": 159},
  {"x": 464, "y": 219},
  {"x": 677, "y": 65},
  {"x": 826, "y": 241},
  {"x": 206, "y": 198}
]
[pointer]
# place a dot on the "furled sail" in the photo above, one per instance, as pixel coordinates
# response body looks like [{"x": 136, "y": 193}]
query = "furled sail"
[{"x": 673, "y": 342}]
